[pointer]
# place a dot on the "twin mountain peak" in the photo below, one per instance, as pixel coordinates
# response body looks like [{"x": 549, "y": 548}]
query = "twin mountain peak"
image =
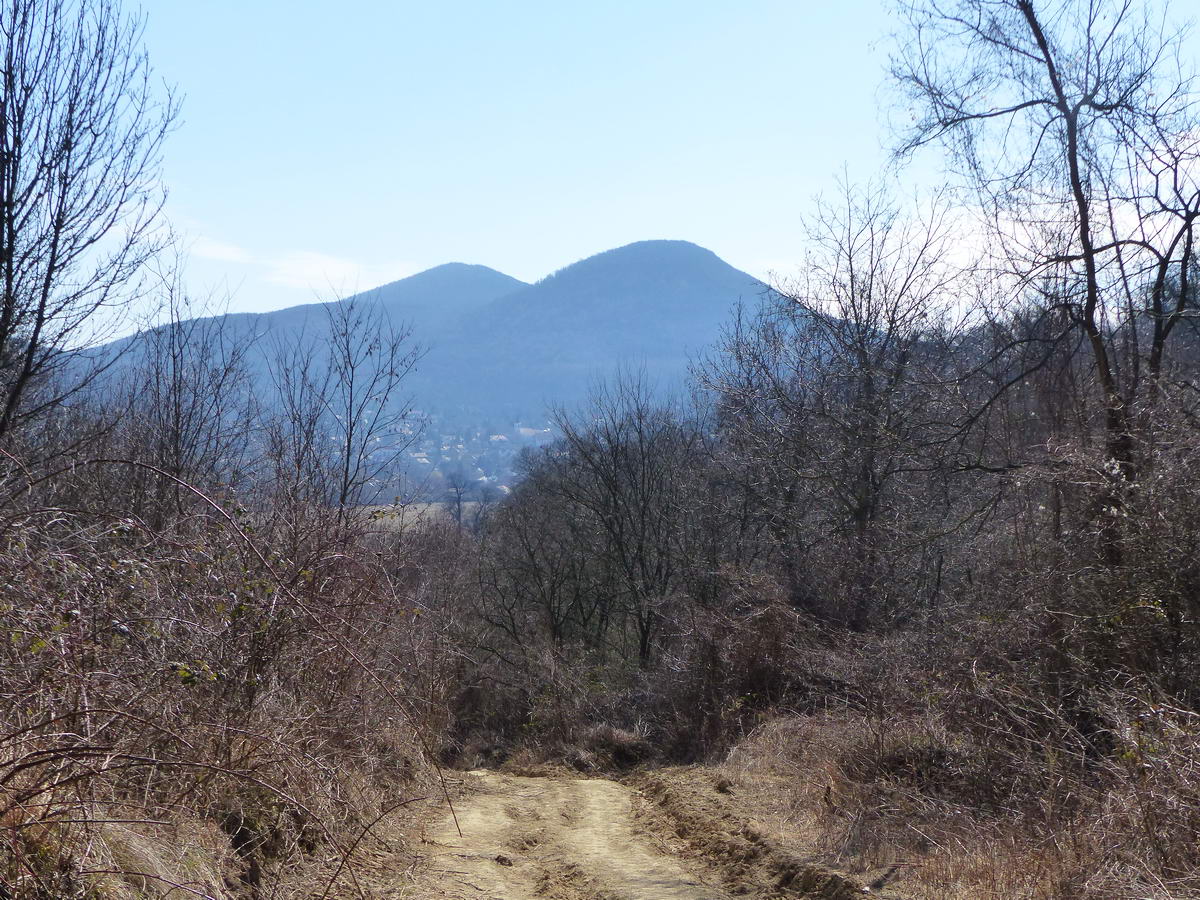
[{"x": 497, "y": 347}]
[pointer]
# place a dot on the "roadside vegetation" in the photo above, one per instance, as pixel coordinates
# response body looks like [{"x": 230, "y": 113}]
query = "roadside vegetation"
[{"x": 915, "y": 569}]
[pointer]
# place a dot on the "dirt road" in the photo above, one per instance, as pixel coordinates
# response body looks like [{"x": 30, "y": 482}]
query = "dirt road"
[{"x": 561, "y": 838}]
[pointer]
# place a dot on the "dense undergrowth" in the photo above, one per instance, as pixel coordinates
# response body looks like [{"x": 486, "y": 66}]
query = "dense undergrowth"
[
  {"x": 960, "y": 768},
  {"x": 197, "y": 688},
  {"x": 1033, "y": 734},
  {"x": 222, "y": 707}
]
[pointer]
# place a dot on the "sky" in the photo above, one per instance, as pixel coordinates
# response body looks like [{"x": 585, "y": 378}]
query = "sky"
[{"x": 326, "y": 148}]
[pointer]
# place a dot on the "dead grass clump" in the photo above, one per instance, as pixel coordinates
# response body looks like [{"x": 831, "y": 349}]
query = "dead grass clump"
[
  {"x": 745, "y": 859},
  {"x": 617, "y": 749}
]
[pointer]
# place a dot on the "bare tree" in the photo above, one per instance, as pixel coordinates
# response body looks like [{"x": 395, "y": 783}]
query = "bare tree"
[
  {"x": 343, "y": 423},
  {"x": 459, "y": 486},
  {"x": 81, "y": 126},
  {"x": 630, "y": 461},
  {"x": 368, "y": 418},
  {"x": 191, "y": 412},
  {"x": 296, "y": 446},
  {"x": 828, "y": 395},
  {"x": 1074, "y": 124},
  {"x": 593, "y": 548},
  {"x": 488, "y": 495},
  {"x": 538, "y": 571}
]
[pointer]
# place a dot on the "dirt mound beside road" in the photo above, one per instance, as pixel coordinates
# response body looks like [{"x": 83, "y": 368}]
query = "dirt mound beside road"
[{"x": 700, "y": 827}]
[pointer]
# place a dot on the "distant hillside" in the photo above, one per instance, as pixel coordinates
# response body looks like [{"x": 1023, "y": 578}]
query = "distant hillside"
[
  {"x": 430, "y": 300},
  {"x": 651, "y": 304},
  {"x": 500, "y": 350}
]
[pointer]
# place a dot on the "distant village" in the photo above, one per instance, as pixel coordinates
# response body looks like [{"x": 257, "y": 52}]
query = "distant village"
[{"x": 451, "y": 463}]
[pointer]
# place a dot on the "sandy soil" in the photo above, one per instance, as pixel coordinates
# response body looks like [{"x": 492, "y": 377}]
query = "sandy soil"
[{"x": 564, "y": 838}]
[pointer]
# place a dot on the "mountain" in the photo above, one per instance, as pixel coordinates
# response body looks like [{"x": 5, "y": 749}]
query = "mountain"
[
  {"x": 652, "y": 299},
  {"x": 649, "y": 305},
  {"x": 429, "y": 302},
  {"x": 499, "y": 352}
]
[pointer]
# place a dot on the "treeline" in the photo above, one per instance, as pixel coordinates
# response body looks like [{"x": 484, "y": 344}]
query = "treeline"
[{"x": 891, "y": 453}]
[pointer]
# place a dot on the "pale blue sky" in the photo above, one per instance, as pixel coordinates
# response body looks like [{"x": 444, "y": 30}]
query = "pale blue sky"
[{"x": 350, "y": 144}]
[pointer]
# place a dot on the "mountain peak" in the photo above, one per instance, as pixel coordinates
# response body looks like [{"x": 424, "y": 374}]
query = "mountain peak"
[
  {"x": 662, "y": 247},
  {"x": 453, "y": 275},
  {"x": 643, "y": 258}
]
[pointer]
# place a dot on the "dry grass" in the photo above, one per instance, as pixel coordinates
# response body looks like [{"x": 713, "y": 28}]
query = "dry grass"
[
  {"x": 198, "y": 687},
  {"x": 910, "y": 798}
]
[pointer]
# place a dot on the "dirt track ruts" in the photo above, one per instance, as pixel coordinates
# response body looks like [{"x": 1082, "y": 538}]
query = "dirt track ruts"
[{"x": 561, "y": 838}]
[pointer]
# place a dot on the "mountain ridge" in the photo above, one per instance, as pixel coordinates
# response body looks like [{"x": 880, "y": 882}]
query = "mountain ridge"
[
  {"x": 498, "y": 348},
  {"x": 649, "y": 303}
]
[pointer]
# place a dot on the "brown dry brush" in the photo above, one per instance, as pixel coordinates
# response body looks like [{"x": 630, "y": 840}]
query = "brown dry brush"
[
  {"x": 189, "y": 709},
  {"x": 984, "y": 808},
  {"x": 1041, "y": 741},
  {"x": 1027, "y": 730}
]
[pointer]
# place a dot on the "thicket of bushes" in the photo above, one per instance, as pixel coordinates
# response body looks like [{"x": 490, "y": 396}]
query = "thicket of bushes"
[
  {"x": 210, "y": 704},
  {"x": 1029, "y": 730}
]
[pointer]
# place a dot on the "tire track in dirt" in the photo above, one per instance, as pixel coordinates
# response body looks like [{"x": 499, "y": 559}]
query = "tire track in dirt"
[{"x": 560, "y": 838}]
